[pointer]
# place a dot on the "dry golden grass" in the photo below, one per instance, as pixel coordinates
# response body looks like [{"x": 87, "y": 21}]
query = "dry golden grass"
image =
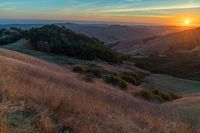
[{"x": 83, "y": 107}]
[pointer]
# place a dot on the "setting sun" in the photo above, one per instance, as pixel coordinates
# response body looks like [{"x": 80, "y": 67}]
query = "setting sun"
[{"x": 187, "y": 22}]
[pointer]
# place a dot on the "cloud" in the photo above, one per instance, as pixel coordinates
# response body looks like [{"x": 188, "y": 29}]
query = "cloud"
[{"x": 152, "y": 8}]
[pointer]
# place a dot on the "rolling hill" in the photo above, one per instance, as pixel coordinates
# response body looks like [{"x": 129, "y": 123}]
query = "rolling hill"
[
  {"x": 109, "y": 33},
  {"x": 76, "y": 95},
  {"x": 61, "y": 101},
  {"x": 179, "y": 42},
  {"x": 117, "y": 33}
]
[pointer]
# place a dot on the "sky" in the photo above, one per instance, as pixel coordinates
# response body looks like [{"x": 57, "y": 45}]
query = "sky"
[{"x": 162, "y": 12}]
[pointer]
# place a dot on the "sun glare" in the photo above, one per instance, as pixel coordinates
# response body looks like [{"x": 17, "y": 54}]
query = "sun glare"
[{"x": 187, "y": 22}]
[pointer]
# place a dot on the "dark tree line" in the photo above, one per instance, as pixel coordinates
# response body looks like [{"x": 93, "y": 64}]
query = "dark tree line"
[
  {"x": 62, "y": 41},
  {"x": 11, "y": 35}
]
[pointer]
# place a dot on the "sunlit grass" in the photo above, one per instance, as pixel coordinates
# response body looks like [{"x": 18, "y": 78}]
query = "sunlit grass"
[{"x": 84, "y": 107}]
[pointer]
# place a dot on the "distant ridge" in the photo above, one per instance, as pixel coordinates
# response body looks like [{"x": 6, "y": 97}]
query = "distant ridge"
[{"x": 182, "y": 41}]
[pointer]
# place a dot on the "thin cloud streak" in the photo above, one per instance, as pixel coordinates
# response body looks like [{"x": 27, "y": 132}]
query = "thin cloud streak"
[{"x": 151, "y": 8}]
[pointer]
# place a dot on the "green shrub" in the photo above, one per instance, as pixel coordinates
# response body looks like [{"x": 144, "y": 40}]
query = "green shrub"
[
  {"x": 131, "y": 77},
  {"x": 94, "y": 71},
  {"x": 156, "y": 95},
  {"x": 117, "y": 81}
]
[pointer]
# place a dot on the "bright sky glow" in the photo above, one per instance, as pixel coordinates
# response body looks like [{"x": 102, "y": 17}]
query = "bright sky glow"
[
  {"x": 170, "y": 12},
  {"x": 187, "y": 22}
]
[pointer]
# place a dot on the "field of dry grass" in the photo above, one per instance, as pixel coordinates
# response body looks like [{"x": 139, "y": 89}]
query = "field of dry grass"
[{"x": 78, "y": 106}]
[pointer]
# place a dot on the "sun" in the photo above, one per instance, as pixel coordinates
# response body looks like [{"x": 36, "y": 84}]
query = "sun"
[{"x": 187, "y": 22}]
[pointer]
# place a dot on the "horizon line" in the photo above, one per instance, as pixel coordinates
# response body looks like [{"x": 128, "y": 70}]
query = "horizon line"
[{"x": 16, "y": 21}]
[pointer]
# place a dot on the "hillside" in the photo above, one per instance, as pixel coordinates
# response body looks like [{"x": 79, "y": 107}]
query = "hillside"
[
  {"x": 185, "y": 66},
  {"x": 116, "y": 33},
  {"x": 109, "y": 33},
  {"x": 64, "y": 102},
  {"x": 184, "y": 41},
  {"x": 61, "y": 41}
]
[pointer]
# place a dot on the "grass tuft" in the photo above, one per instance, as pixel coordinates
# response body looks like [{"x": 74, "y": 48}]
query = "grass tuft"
[{"x": 117, "y": 81}]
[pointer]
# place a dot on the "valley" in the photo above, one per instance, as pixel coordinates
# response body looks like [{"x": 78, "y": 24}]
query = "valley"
[
  {"x": 99, "y": 66},
  {"x": 102, "y": 91}
]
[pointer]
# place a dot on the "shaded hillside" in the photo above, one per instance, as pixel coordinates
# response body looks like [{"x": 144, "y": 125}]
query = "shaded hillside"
[
  {"x": 185, "y": 66},
  {"x": 66, "y": 103},
  {"x": 172, "y": 43}
]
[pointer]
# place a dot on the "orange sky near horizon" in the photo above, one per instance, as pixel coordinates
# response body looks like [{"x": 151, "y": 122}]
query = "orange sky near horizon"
[{"x": 155, "y": 12}]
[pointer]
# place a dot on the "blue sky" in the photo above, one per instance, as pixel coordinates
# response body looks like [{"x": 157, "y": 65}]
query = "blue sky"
[{"x": 144, "y": 11}]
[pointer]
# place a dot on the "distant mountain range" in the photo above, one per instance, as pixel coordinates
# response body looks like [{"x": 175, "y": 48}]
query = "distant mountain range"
[{"x": 110, "y": 33}]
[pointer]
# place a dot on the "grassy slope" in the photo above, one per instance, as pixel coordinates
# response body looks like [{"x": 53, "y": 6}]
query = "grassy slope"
[
  {"x": 184, "y": 66},
  {"x": 179, "y": 86},
  {"x": 84, "y": 107},
  {"x": 187, "y": 40},
  {"x": 189, "y": 108},
  {"x": 172, "y": 84},
  {"x": 167, "y": 83}
]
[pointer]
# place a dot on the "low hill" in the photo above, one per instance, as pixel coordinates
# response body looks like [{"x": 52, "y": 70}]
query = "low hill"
[
  {"x": 109, "y": 33},
  {"x": 61, "y": 41},
  {"x": 117, "y": 33},
  {"x": 179, "y": 42},
  {"x": 185, "y": 66},
  {"x": 61, "y": 102}
]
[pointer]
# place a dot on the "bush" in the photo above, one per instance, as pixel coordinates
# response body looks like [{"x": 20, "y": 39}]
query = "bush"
[
  {"x": 94, "y": 71},
  {"x": 131, "y": 77},
  {"x": 117, "y": 81},
  {"x": 156, "y": 95}
]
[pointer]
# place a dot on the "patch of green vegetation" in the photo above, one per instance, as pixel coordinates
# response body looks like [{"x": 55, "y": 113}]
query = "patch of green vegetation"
[
  {"x": 11, "y": 35},
  {"x": 79, "y": 69},
  {"x": 90, "y": 69},
  {"x": 156, "y": 95},
  {"x": 95, "y": 72},
  {"x": 131, "y": 77},
  {"x": 117, "y": 81},
  {"x": 21, "y": 117},
  {"x": 21, "y": 120}
]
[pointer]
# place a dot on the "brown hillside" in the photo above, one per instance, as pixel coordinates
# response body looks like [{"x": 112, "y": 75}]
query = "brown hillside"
[
  {"x": 184, "y": 41},
  {"x": 84, "y": 107}
]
